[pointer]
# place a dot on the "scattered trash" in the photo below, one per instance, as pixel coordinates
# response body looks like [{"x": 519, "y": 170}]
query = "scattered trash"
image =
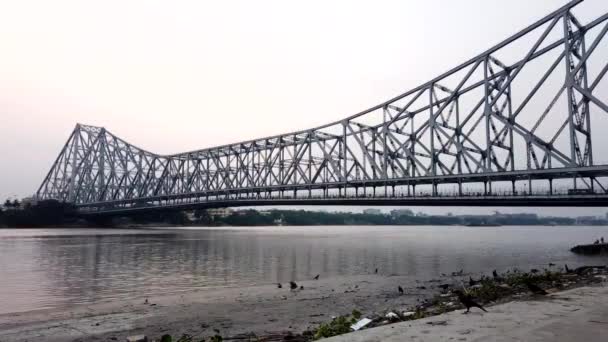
[
  {"x": 434, "y": 323},
  {"x": 137, "y": 338},
  {"x": 361, "y": 324},
  {"x": 392, "y": 317},
  {"x": 408, "y": 313}
]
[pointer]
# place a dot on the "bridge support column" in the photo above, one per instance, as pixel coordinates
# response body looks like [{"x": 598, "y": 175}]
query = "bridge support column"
[
  {"x": 414, "y": 189},
  {"x": 513, "y": 187},
  {"x": 393, "y": 190},
  {"x": 550, "y": 186},
  {"x": 485, "y": 188},
  {"x": 459, "y": 187}
]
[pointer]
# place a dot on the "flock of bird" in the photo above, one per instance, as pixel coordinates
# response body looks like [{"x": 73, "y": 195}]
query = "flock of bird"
[
  {"x": 294, "y": 286},
  {"x": 465, "y": 298}
]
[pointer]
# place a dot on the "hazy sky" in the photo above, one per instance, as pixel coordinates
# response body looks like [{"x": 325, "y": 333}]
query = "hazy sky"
[{"x": 171, "y": 76}]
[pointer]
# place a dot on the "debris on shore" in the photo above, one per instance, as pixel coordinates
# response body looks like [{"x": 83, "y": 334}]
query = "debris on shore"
[
  {"x": 487, "y": 291},
  {"x": 591, "y": 249}
]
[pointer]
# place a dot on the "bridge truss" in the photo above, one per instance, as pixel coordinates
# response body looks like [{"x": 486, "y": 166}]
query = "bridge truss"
[{"x": 511, "y": 126}]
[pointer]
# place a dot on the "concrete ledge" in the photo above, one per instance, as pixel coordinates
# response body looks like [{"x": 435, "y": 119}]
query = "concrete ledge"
[{"x": 575, "y": 315}]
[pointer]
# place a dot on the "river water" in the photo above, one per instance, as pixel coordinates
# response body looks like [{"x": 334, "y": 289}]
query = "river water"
[{"x": 44, "y": 268}]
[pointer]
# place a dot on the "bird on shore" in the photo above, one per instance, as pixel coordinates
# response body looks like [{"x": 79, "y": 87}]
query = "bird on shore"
[
  {"x": 376, "y": 272},
  {"x": 468, "y": 301},
  {"x": 495, "y": 274},
  {"x": 293, "y": 285},
  {"x": 400, "y": 289},
  {"x": 279, "y": 286},
  {"x": 536, "y": 289},
  {"x": 534, "y": 270},
  {"x": 146, "y": 301},
  {"x": 302, "y": 287},
  {"x": 471, "y": 281},
  {"x": 459, "y": 273},
  {"x": 551, "y": 264},
  {"x": 317, "y": 277}
]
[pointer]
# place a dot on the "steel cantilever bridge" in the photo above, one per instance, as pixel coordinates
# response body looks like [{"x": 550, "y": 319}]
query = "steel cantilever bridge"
[{"x": 511, "y": 126}]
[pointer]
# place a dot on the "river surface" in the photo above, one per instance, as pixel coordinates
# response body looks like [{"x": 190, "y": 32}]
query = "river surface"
[{"x": 49, "y": 268}]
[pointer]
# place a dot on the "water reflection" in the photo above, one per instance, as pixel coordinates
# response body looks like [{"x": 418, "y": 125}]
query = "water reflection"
[{"x": 65, "y": 267}]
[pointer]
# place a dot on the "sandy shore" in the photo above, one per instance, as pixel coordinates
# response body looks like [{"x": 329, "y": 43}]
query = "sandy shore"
[
  {"x": 232, "y": 311},
  {"x": 579, "y": 314},
  {"x": 266, "y": 309}
]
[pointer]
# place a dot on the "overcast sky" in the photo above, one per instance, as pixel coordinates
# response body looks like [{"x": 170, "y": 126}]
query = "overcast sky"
[{"x": 172, "y": 76}]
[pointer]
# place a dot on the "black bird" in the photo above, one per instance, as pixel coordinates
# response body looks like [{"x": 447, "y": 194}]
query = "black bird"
[
  {"x": 459, "y": 273},
  {"x": 536, "y": 289},
  {"x": 293, "y": 285},
  {"x": 376, "y": 271},
  {"x": 551, "y": 264},
  {"x": 468, "y": 301},
  {"x": 471, "y": 281},
  {"x": 279, "y": 285},
  {"x": 317, "y": 277},
  {"x": 495, "y": 274},
  {"x": 302, "y": 287},
  {"x": 534, "y": 270},
  {"x": 400, "y": 289},
  {"x": 146, "y": 301}
]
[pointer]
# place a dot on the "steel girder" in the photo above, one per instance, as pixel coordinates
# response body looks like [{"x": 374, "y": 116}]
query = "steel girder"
[{"x": 460, "y": 125}]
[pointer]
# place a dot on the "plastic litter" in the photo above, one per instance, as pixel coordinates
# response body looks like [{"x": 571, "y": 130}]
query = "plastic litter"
[{"x": 360, "y": 324}]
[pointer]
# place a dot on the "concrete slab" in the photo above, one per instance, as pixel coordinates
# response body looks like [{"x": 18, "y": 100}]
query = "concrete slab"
[{"x": 576, "y": 315}]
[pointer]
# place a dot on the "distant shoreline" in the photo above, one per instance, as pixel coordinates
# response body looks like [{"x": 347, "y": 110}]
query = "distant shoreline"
[{"x": 53, "y": 214}]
